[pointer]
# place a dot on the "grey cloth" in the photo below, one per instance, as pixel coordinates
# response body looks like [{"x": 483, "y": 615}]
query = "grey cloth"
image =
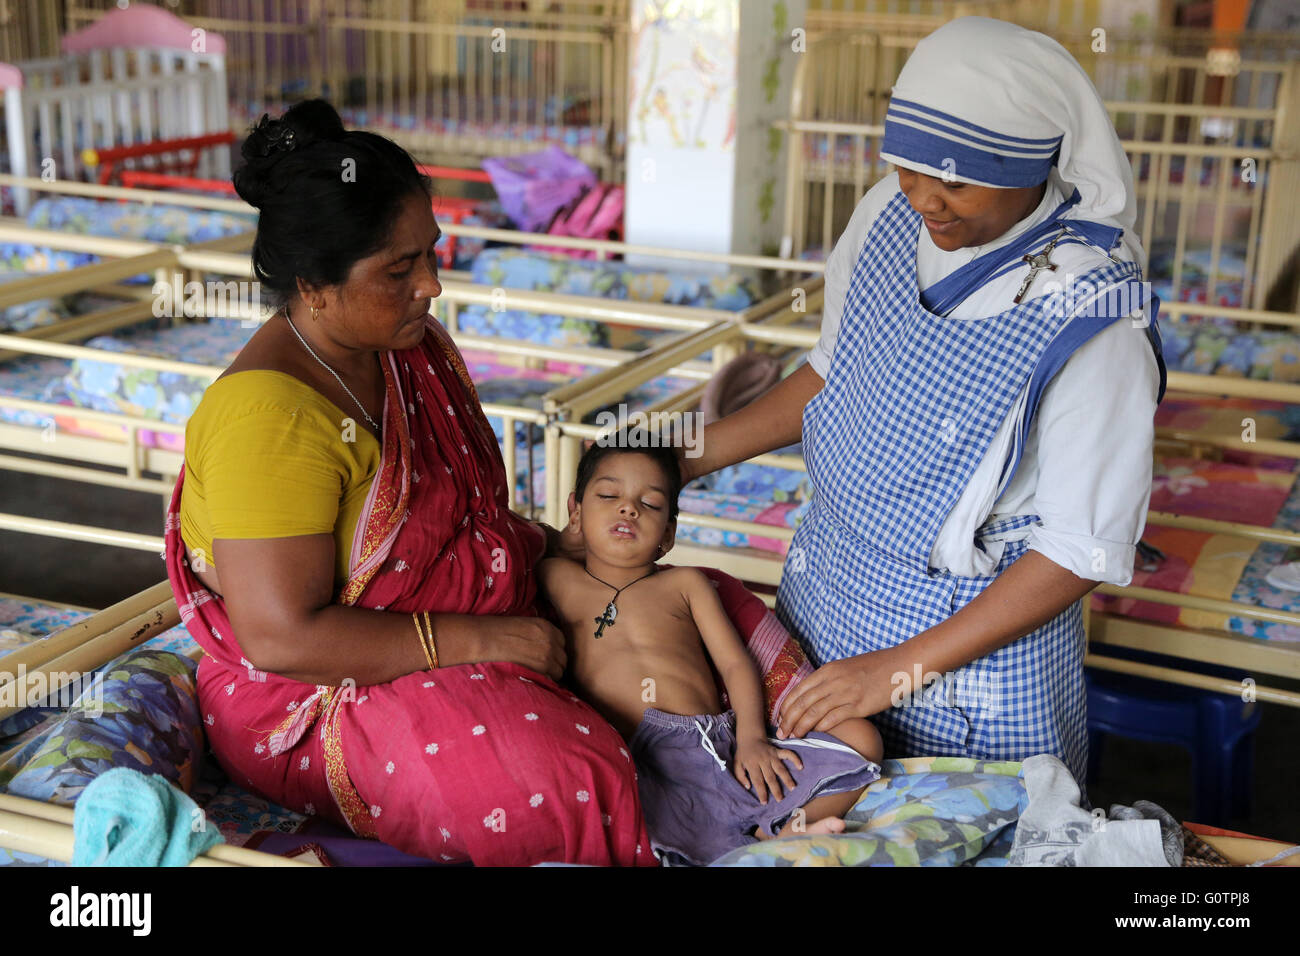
[
  {"x": 1055, "y": 831},
  {"x": 1171, "y": 831}
]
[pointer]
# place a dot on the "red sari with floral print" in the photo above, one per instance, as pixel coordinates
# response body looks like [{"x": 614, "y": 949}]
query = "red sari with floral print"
[{"x": 491, "y": 763}]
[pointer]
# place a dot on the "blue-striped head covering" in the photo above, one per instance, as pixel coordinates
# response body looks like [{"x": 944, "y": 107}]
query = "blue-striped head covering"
[{"x": 990, "y": 103}]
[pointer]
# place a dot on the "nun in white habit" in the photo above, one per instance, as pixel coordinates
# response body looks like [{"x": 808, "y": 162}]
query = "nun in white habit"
[{"x": 977, "y": 418}]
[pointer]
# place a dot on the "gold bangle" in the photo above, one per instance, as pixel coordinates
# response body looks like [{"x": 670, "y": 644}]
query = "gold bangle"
[
  {"x": 420, "y": 634},
  {"x": 432, "y": 648}
]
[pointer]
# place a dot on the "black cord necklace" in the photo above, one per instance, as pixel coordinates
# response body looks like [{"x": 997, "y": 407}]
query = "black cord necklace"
[{"x": 611, "y": 609}]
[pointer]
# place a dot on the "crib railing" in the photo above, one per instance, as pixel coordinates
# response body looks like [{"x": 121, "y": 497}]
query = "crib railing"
[
  {"x": 444, "y": 80},
  {"x": 137, "y": 465},
  {"x": 104, "y": 98},
  {"x": 1205, "y": 175},
  {"x": 30, "y": 31}
]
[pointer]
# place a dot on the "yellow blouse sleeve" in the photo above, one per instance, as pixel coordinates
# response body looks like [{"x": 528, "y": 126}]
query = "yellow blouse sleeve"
[{"x": 272, "y": 473}]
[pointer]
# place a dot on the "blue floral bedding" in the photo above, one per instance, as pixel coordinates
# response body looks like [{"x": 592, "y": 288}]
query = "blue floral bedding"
[
  {"x": 142, "y": 712},
  {"x": 1220, "y": 347},
  {"x": 1194, "y": 282},
  {"x": 546, "y": 272},
  {"x": 163, "y": 396},
  {"x": 923, "y": 811},
  {"x": 92, "y": 217}
]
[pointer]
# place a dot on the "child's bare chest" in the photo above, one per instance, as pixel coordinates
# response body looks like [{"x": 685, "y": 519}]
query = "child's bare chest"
[
  {"x": 654, "y": 616},
  {"x": 649, "y": 652}
]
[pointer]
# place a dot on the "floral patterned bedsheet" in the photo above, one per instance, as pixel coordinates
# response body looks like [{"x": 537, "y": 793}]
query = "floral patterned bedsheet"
[
  {"x": 923, "y": 811},
  {"x": 140, "y": 711},
  {"x": 92, "y": 217},
  {"x": 1217, "y": 565},
  {"x": 548, "y": 272}
]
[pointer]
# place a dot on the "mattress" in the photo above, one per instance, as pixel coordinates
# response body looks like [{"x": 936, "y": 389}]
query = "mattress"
[
  {"x": 122, "y": 389},
  {"x": 1197, "y": 268},
  {"x": 1214, "y": 565},
  {"x": 130, "y": 220}
]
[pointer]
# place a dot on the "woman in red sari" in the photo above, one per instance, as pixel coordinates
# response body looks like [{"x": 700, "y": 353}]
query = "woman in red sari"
[{"x": 342, "y": 497}]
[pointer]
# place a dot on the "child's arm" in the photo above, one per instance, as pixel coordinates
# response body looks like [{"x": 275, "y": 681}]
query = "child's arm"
[{"x": 758, "y": 764}]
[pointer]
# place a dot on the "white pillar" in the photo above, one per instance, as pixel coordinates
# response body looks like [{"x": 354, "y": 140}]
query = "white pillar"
[{"x": 709, "y": 78}]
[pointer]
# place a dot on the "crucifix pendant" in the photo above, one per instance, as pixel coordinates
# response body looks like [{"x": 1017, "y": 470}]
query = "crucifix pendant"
[
  {"x": 1038, "y": 263},
  {"x": 611, "y": 612}
]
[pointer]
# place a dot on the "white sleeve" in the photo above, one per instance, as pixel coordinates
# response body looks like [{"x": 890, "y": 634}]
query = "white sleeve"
[
  {"x": 839, "y": 268},
  {"x": 1096, "y": 428}
]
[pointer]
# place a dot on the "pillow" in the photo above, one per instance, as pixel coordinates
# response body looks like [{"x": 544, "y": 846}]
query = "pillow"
[
  {"x": 923, "y": 811},
  {"x": 140, "y": 712},
  {"x": 149, "y": 393}
]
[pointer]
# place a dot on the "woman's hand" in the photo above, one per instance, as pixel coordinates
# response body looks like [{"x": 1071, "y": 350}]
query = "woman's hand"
[
  {"x": 853, "y": 687},
  {"x": 571, "y": 543},
  {"x": 531, "y": 641},
  {"x": 567, "y": 542}
]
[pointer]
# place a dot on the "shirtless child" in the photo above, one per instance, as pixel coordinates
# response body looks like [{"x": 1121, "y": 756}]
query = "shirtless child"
[{"x": 637, "y": 635}]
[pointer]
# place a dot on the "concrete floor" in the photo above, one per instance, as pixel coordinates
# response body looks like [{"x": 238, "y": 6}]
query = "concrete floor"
[{"x": 96, "y": 576}]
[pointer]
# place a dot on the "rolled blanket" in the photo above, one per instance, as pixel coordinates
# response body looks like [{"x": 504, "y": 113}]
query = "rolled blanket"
[
  {"x": 127, "y": 818},
  {"x": 738, "y": 383}
]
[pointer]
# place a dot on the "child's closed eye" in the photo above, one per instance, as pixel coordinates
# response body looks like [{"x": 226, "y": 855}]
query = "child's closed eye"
[{"x": 646, "y": 503}]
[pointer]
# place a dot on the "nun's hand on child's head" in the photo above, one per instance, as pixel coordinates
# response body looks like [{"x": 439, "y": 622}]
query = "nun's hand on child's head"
[
  {"x": 759, "y": 767},
  {"x": 853, "y": 687}
]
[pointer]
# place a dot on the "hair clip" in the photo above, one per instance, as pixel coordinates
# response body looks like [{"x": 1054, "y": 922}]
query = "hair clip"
[{"x": 279, "y": 137}]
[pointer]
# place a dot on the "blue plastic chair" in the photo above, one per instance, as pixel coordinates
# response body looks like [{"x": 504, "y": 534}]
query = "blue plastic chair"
[{"x": 1218, "y": 729}]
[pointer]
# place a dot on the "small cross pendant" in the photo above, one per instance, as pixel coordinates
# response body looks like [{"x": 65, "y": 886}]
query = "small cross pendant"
[
  {"x": 1036, "y": 265},
  {"x": 611, "y": 612}
]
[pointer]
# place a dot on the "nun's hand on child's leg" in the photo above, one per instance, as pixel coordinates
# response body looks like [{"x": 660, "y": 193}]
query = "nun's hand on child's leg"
[
  {"x": 852, "y": 687},
  {"x": 759, "y": 767}
]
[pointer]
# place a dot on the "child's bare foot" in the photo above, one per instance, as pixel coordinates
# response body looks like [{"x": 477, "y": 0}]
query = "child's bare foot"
[
  {"x": 826, "y": 825},
  {"x": 823, "y": 826}
]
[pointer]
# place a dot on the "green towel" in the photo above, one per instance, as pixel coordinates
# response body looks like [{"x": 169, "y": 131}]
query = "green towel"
[{"x": 127, "y": 818}]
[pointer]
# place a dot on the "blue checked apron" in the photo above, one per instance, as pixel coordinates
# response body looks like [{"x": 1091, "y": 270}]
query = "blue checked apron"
[{"x": 910, "y": 408}]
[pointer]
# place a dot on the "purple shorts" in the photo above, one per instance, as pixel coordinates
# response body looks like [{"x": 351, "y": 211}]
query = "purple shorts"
[{"x": 695, "y": 808}]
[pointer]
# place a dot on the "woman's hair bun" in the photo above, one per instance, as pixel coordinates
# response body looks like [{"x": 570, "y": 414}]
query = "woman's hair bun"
[
  {"x": 314, "y": 223},
  {"x": 268, "y": 142}
]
